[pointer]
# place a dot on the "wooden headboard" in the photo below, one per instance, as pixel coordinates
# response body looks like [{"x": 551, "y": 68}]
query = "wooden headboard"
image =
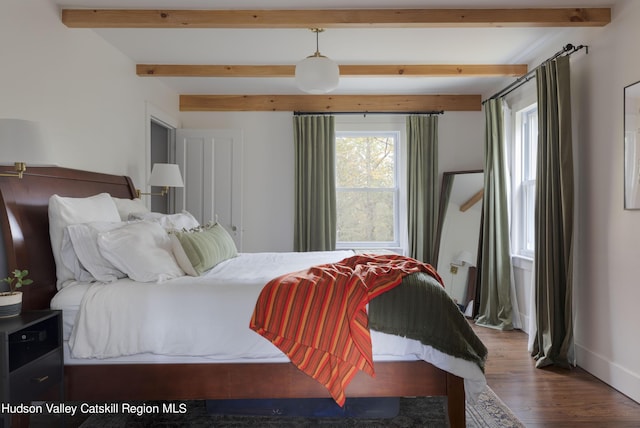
[{"x": 24, "y": 218}]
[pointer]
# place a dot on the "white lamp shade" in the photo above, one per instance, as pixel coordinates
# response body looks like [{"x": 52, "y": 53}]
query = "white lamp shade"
[
  {"x": 317, "y": 74},
  {"x": 166, "y": 175},
  {"x": 464, "y": 257}
]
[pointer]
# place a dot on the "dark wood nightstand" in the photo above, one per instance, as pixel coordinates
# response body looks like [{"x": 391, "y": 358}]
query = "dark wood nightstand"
[{"x": 31, "y": 360}]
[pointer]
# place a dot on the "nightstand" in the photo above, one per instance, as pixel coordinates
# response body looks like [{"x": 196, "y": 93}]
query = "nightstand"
[{"x": 31, "y": 359}]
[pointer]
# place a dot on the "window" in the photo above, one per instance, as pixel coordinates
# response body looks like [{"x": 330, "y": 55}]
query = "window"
[
  {"x": 367, "y": 190},
  {"x": 525, "y": 155}
]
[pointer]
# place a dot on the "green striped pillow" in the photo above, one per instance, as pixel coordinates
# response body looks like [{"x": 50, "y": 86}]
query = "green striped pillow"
[{"x": 201, "y": 249}]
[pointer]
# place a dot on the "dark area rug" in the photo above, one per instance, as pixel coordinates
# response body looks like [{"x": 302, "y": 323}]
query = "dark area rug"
[{"x": 488, "y": 412}]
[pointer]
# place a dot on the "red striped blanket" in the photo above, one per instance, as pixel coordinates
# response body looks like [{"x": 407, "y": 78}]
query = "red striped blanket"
[{"x": 318, "y": 317}]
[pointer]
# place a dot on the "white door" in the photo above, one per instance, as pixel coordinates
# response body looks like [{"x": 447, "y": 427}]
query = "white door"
[{"x": 211, "y": 164}]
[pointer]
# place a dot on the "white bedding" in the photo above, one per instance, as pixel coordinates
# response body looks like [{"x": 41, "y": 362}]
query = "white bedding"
[{"x": 206, "y": 318}]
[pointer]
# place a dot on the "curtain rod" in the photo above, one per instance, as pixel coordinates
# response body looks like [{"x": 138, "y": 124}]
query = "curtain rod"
[
  {"x": 302, "y": 113},
  {"x": 569, "y": 49}
]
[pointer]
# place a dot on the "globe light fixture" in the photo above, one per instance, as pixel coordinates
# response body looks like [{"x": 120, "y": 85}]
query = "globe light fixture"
[{"x": 317, "y": 74}]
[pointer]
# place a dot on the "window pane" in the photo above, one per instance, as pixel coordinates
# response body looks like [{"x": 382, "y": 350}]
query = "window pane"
[
  {"x": 530, "y": 157},
  {"x": 525, "y": 180},
  {"x": 365, "y": 161},
  {"x": 366, "y": 187},
  {"x": 365, "y": 216},
  {"x": 530, "y": 144},
  {"x": 529, "y": 213}
]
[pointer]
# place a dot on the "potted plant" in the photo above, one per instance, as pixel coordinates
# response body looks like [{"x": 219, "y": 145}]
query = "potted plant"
[{"x": 11, "y": 301}]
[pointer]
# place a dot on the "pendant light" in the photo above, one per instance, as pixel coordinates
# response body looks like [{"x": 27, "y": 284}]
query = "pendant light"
[{"x": 317, "y": 74}]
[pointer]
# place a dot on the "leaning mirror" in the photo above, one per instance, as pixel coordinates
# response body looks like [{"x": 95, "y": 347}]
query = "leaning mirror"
[
  {"x": 632, "y": 146},
  {"x": 459, "y": 229}
]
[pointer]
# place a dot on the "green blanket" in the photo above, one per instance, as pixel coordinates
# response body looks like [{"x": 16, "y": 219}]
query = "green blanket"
[{"x": 420, "y": 309}]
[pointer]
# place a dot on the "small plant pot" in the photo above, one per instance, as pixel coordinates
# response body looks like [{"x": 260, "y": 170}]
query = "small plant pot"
[{"x": 10, "y": 304}]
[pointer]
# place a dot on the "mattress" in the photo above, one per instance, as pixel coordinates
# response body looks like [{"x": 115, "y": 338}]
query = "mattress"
[{"x": 206, "y": 319}]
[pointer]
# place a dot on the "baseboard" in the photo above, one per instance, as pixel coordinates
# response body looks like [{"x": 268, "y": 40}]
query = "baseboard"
[{"x": 609, "y": 372}]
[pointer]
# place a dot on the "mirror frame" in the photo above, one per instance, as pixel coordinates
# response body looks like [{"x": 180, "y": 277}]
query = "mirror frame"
[
  {"x": 631, "y": 138},
  {"x": 441, "y": 214}
]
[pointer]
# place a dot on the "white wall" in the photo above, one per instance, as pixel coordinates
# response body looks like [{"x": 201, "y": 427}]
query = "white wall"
[
  {"x": 268, "y": 185},
  {"x": 268, "y": 194},
  {"x": 606, "y": 285},
  {"x": 461, "y": 141},
  {"x": 84, "y": 95}
]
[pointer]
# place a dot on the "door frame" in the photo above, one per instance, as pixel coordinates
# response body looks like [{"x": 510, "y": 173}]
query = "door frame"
[{"x": 160, "y": 117}]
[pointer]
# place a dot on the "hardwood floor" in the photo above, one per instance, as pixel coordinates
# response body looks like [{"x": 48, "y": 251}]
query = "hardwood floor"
[{"x": 551, "y": 397}]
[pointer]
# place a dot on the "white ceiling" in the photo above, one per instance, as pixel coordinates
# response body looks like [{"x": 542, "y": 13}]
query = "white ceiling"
[{"x": 345, "y": 46}]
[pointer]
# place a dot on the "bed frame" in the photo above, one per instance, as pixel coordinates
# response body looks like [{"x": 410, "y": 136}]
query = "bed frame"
[{"x": 24, "y": 226}]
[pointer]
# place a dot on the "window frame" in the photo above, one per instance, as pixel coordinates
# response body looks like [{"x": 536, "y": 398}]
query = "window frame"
[
  {"x": 523, "y": 184},
  {"x": 376, "y": 125}
]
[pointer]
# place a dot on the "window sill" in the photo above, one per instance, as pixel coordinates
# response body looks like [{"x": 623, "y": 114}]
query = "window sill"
[
  {"x": 522, "y": 262},
  {"x": 374, "y": 250}
]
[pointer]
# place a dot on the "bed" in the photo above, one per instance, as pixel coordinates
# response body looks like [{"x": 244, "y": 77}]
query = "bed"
[{"x": 25, "y": 230}]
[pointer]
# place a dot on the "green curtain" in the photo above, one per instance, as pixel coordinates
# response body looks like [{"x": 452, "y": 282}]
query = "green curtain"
[
  {"x": 553, "y": 265},
  {"x": 422, "y": 186},
  {"x": 315, "y": 184},
  {"x": 495, "y": 273}
]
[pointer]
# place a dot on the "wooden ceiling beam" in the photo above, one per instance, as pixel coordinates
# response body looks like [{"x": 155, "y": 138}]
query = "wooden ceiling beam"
[
  {"x": 436, "y": 70},
  {"x": 331, "y": 103},
  {"x": 336, "y": 18}
]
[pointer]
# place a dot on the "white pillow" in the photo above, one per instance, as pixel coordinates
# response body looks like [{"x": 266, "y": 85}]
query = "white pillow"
[
  {"x": 84, "y": 238},
  {"x": 129, "y": 206},
  {"x": 181, "y": 221},
  {"x": 71, "y": 261},
  {"x": 64, "y": 211},
  {"x": 142, "y": 250}
]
